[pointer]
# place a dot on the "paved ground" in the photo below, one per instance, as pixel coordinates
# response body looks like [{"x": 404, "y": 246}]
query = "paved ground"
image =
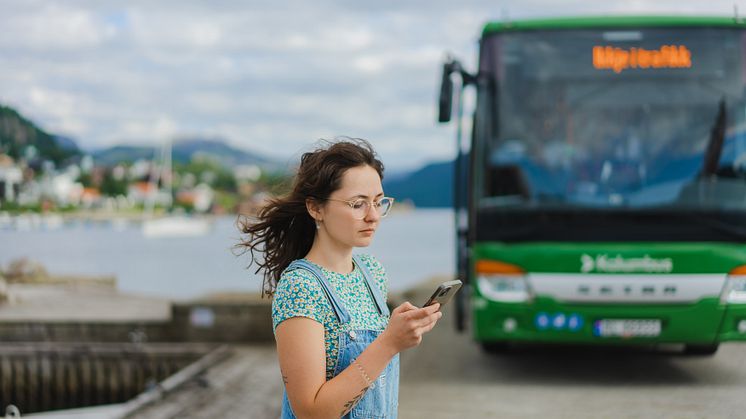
[
  {"x": 448, "y": 376},
  {"x": 80, "y": 303}
]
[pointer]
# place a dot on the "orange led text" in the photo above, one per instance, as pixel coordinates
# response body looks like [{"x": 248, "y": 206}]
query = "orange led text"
[{"x": 618, "y": 59}]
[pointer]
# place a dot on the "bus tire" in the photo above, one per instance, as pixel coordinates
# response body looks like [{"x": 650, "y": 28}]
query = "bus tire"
[
  {"x": 701, "y": 350},
  {"x": 496, "y": 348}
]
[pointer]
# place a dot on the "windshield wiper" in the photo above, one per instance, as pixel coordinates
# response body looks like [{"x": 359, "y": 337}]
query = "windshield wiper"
[{"x": 715, "y": 144}]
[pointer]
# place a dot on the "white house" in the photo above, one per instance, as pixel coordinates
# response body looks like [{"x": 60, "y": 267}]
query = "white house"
[
  {"x": 65, "y": 189},
  {"x": 10, "y": 182}
]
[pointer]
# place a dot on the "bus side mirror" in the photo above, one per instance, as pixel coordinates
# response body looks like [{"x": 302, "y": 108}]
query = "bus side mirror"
[{"x": 446, "y": 94}]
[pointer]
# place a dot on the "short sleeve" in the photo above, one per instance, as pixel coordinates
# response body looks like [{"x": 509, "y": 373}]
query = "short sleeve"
[
  {"x": 298, "y": 294},
  {"x": 379, "y": 273}
]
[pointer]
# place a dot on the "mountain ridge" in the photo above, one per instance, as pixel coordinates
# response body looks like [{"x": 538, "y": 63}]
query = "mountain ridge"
[
  {"x": 431, "y": 186},
  {"x": 183, "y": 151},
  {"x": 18, "y": 134}
]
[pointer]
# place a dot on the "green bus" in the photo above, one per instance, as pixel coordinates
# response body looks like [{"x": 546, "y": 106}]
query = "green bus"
[{"x": 601, "y": 198}]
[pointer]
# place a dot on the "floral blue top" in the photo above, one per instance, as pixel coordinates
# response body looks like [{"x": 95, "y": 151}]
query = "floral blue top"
[{"x": 299, "y": 294}]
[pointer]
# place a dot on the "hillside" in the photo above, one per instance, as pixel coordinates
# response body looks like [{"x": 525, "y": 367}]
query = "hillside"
[
  {"x": 430, "y": 186},
  {"x": 18, "y": 133},
  {"x": 122, "y": 154},
  {"x": 183, "y": 151}
]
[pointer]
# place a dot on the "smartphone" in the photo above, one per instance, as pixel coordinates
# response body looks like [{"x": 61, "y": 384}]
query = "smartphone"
[{"x": 444, "y": 292}]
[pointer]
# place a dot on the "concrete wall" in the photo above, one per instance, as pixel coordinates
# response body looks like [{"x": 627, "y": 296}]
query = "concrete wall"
[
  {"x": 190, "y": 322},
  {"x": 26, "y": 331},
  {"x": 223, "y": 321}
]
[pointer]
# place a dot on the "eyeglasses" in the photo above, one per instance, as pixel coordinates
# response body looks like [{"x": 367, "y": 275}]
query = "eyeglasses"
[{"x": 361, "y": 207}]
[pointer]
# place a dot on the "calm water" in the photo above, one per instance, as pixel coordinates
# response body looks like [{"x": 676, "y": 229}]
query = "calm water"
[{"x": 411, "y": 245}]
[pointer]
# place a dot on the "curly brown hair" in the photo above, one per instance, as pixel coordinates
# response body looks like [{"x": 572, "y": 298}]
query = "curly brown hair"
[{"x": 283, "y": 230}]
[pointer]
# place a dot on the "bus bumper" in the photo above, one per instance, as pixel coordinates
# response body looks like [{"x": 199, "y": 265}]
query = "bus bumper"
[{"x": 546, "y": 320}]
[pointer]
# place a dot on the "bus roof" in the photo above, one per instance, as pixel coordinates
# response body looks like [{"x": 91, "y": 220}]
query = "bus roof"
[{"x": 604, "y": 22}]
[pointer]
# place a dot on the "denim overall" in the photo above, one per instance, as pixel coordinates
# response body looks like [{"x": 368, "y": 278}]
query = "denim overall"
[{"x": 382, "y": 398}]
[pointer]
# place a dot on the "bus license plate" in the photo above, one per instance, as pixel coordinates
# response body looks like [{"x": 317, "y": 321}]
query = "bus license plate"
[{"x": 627, "y": 328}]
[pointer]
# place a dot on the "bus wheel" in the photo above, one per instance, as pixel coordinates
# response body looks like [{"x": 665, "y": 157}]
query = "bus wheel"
[
  {"x": 496, "y": 348},
  {"x": 701, "y": 350}
]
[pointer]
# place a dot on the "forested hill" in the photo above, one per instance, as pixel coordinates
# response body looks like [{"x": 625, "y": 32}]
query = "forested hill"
[
  {"x": 18, "y": 133},
  {"x": 430, "y": 186},
  {"x": 19, "y": 136}
]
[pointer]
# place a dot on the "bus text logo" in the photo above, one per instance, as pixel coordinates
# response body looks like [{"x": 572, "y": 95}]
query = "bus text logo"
[
  {"x": 618, "y": 59},
  {"x": 615, "y": 264}
]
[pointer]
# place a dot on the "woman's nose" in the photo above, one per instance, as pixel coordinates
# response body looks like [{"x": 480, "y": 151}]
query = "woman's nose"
[{"x": 372, "y": 214}]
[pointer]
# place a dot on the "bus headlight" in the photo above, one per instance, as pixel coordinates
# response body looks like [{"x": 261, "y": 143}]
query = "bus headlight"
[
  {"x": 504, "y": 288},
  {"x": 502, "y": 282},
  {"x": 734, "y": 291}
]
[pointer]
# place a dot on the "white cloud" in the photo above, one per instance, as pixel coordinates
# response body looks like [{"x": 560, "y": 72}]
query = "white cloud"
[
  {"x": 59, "y": 109},
  {"x": 156, "y": 129},
  {"x": 370, "y": 63},
  {"x": 210, "y": 103},
  {"x": 268, "y": 77},
  {"x": 164, "y": 127},
  {"x": 52, "y": 26}
]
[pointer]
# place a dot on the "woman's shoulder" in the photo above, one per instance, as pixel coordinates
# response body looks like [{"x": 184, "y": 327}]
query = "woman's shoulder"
[
  {"x": 299, "y": 286},
  {"x": 296, "y": 279},
  {"x": 372, "y": 263},
  {"x": 299, "y": 294}
]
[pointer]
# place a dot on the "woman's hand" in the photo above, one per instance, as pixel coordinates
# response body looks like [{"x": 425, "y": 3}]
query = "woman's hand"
[{"x": 407, "y": 325}]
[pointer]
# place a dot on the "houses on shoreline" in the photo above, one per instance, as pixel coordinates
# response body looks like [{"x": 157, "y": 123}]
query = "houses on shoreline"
[{"x": 203, "y": 188}]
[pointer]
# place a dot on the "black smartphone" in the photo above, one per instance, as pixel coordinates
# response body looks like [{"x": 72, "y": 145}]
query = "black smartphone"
[{"x": 444, "y": 293}]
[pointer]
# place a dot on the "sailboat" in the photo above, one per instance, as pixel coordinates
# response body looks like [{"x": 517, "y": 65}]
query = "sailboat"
[{"x": 170, "y": 225}]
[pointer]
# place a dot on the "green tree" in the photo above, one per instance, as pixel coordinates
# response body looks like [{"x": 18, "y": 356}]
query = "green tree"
[{"x": 113, "y": 187}]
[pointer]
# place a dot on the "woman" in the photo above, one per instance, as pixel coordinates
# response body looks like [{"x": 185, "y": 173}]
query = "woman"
[{"x": 337, "y": 343}]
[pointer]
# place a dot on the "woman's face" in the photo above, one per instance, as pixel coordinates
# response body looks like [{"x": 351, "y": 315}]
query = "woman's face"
[{"x": 339, "y": 221}]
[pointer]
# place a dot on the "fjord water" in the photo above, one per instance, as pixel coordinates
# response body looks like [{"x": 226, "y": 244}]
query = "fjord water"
[{"x": 412, "y": 245}]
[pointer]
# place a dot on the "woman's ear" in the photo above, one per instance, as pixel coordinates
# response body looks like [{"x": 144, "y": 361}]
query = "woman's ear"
[{"x": 314, "y": 209}]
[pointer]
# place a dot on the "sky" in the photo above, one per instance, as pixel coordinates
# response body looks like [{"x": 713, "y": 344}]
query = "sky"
[{"x": 269, "y": 77}]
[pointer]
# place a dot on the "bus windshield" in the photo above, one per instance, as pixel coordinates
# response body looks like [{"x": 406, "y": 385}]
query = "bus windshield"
[{"x": 614, "y": 119}]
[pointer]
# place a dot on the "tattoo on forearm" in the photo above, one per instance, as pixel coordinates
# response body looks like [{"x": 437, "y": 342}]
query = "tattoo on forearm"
[
  {"x": 285, "y": 379},
  {"x": 349, "y": 405}
]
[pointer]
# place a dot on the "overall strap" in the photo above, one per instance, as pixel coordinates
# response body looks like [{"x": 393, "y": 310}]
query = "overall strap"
[
  {"x": 339, "y": 310},
  {"x": 372, "y": 287}
]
